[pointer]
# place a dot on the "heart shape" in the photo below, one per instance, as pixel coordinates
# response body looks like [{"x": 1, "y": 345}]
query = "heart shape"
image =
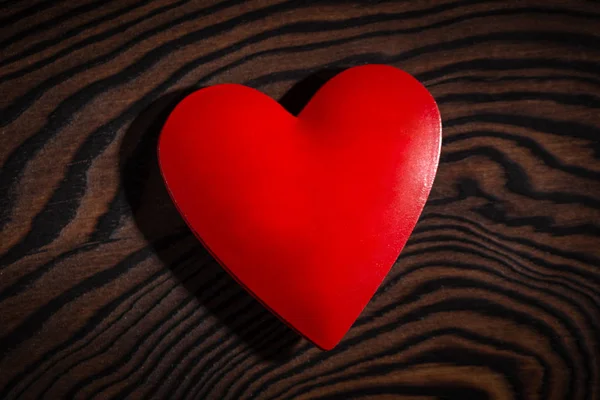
[{"x": 308, "y": 213}]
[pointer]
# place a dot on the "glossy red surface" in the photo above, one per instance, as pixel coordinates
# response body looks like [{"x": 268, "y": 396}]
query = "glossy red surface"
[{"x": 308, "y": 213}]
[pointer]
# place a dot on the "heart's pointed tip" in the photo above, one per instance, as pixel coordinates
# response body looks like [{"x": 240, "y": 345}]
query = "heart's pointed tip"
[
  {"x": 326, "y": 339},
  {"x": 324, "y": 344}
]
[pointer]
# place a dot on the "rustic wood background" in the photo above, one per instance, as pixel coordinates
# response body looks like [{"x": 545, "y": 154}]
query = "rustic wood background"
[{"x": 104, "y": 292}]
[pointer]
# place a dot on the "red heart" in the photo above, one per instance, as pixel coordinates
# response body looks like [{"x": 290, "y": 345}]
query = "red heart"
[{"x": 308, "y": 213}]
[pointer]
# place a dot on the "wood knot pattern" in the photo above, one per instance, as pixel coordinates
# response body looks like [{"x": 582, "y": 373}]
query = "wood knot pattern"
[{"x": 104, "y": 292}]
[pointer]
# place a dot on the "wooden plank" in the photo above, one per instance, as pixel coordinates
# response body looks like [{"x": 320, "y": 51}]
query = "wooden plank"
[{"x": 105, "y": 293}]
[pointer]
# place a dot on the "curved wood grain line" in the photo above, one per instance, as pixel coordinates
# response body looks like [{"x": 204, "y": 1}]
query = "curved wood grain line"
[
  {"x": 105, "y": 372},
  {"x": 175, "y": 319},
  {"x": 72, "y": 32},
  {"x": 540, "y": 78},
  {"x": 465, "y": 303},
  {"x": 454, "y": 356},
  {"x": 107, "y": 34},
  {"x": 546, "y": 125},
  {"x": 530, "y": 144},
  {"x": 28, "y": 12},
  {"x": 569, "y": 285},
  {"x": 264, "y": 336},
  {"x": 254, "y": 326},
  {"x": 378, "y": 18},
  {"x": 447, "y": 391},
  {"x": 517, "y": 180},
  {"x": 558, "y": 279},
  {"x": 33, "y": 323},
  {"x": 133, "y": 295},
  {"x": 583, "y": 258},
  {"x": 582, "y": 100},
  {"x": 415, "y": 340},
  {"x": 42, "y": 26}
]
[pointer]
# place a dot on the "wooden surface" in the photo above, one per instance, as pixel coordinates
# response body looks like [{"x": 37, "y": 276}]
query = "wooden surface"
[{"x": 104, "y": 293}]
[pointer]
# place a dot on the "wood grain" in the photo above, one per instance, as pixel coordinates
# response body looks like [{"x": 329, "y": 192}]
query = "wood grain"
[{"x": 104, "y": 293}]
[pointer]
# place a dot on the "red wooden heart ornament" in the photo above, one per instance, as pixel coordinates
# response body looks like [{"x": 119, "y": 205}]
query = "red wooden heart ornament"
[{"x": 308, "y": 213}]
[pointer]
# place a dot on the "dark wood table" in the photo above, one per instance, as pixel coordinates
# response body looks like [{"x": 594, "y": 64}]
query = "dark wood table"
[{"x": 104, "y": 292}]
